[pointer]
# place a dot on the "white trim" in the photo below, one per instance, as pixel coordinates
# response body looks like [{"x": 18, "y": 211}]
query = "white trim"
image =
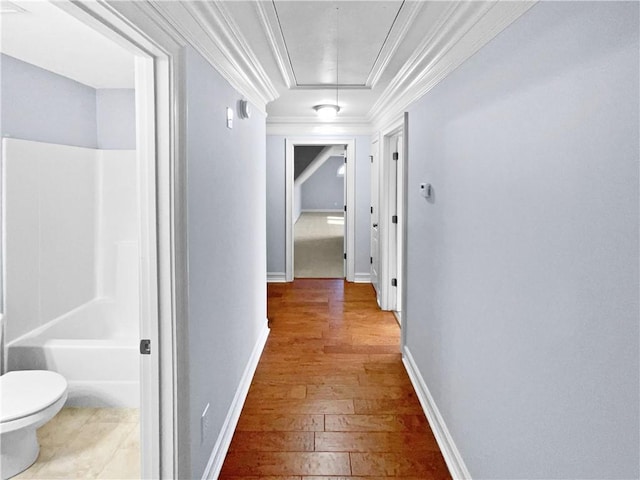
[
  {"x": 386, "y": 240},
  {"x": 362, "y": 278},
  {"x": 279, "y": 277},
  {"x": 461, "y": 31},
  {"x": 221, "y": 447},
  {"x": 140, "y": 23},
  {"x": 135, "y": 27},
  {"x": 406, "y": 16},
  {"x": 148, "y": 262},
  {"x": 309, "y": 127},
  {"x": 350, "y": 178},
  {"x": 405, "y": 229},
  {"x": 450, "y": 452},
  {"x": 269, "y": 19},
  {"x": 211, "y": 30}
]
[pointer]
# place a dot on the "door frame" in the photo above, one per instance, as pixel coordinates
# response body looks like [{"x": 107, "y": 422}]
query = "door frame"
[
  {"x": 387, "y": 197},
  {"x": 162, "y": 175},
  {"x": 349, "y": 180},
  {"x": 374, "y": 217}
]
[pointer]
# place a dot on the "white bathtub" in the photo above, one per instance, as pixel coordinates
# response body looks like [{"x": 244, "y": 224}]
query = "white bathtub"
[{"x": 90, "y": 348}]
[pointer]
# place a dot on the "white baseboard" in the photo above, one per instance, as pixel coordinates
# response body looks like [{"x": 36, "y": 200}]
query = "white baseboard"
[
  {"x": 450, "y": 452},
  {"x": 228, "y": 428},
  {"x": 276, "y": 277},
  {"x": 362, "y": 278}
]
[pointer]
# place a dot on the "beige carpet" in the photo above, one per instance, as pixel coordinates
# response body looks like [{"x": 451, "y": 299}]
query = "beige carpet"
[{"x": 318, "y": 244}]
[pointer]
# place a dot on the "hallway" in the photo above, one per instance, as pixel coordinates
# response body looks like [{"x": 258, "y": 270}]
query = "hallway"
[{"x": 330, "y": 397}]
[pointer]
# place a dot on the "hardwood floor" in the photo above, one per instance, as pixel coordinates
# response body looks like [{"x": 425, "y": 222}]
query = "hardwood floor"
[{"x": 330, "y": 398}]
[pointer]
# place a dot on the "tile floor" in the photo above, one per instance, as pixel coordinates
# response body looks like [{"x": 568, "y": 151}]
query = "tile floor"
[{"x": 83, "y": 443}]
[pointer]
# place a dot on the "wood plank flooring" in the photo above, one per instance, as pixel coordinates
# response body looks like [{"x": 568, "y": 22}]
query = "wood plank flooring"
[{"x": 330, "y": 398}]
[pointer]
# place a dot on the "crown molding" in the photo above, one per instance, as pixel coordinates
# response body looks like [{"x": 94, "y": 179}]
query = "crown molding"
[
  {"x": 402, "y": 23},
  {"x": 461, "y": 31},
  {"x": 269, "y": 19},
  {"x": 312, "y": 126},
  {"x": 210, "y": 29}
]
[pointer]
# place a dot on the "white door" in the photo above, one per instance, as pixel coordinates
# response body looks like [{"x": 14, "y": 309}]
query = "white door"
[
  {"x": 393, "y": 155},
  {"x": 400, "y": 165},
  {"x": 344, "y": 203},
  {"x": 375, "y": 231}
]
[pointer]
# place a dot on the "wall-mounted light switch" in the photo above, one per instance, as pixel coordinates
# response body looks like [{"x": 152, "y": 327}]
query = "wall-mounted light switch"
[
  {"x": 229, "y": 117},
  {"x": 425, "y": 190}
]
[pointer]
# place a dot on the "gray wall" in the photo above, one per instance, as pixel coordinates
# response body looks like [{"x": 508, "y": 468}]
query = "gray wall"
[
  {"x": 324, "y": 190},
  {"x": 43, "y": 106},
  {"x": 46, "y": 107},
  {"x": 276, "y": 202},
  {"x": 276, "y": 213},
  {"x": 227, "y": 264},
  {"x": 522, "y": 311},
  {"x": 116, "y": 118}
]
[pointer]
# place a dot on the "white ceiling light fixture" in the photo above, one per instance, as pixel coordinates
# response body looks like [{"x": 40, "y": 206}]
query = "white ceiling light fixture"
[{"x": 328, "y": 110}]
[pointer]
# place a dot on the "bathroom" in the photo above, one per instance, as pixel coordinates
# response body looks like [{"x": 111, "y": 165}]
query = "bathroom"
[{"x": 71, "y": 228}]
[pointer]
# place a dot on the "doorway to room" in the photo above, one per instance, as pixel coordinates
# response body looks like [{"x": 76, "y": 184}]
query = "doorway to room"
[
  {"x": 324, "y": 186},
  {"x": 319, "y": 200}
]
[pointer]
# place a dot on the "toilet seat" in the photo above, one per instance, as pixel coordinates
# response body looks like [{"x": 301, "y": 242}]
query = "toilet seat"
[
  {"x": 27, "y": 392},
  {"x": 28, "y": 400}
]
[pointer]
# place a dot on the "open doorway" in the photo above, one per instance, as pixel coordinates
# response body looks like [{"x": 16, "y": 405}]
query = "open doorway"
[
  {"x": 339, "y": 153},
  {"x": 319, "y": 200},
  {"x": 92, "y": 153}
]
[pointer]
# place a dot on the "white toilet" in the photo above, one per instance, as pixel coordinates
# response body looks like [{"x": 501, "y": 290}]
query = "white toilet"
[{"x": 28, "y": 400}]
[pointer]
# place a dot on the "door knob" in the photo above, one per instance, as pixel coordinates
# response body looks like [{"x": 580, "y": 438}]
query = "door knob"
[{"x": 375, "y": 225}]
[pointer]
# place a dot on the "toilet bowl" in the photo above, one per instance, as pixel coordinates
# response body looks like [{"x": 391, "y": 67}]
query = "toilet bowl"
[{"x": 28, "y": 400}]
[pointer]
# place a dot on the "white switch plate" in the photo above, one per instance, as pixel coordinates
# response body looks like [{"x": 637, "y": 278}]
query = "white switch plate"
[
  {"x": 204, "y": 424},
  {"x": 229, "y": 117}
]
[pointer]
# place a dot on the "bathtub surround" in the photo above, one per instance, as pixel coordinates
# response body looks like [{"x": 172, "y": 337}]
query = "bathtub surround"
[
  {"x": 522, "y": 313},
  {"x": 72, "y": 268},
  {"x": 43, "y": 106}
]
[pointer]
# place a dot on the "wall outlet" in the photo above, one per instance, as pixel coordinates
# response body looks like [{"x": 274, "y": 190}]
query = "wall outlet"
[{"x": 204, "y": 424}]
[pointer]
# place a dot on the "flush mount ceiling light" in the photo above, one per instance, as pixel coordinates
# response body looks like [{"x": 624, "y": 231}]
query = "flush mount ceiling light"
[{"x": 328, "y": 110}]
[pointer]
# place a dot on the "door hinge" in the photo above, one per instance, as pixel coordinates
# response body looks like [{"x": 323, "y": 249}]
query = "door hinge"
[
  {"x": 371, "y": 209},
  {"x": 345, "y": 159},
  {"x": 395, "y": 155},
  {"x": 394, "y": 219},
  {"x": 371, "y": 158},
  {"x": 345, "y": 256},
  {"x": 394, "y": 282},
  {"x": 145, "y": 347},
  {"x": 345, "y": 208},
  {"x": 371, "y": 260}
]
